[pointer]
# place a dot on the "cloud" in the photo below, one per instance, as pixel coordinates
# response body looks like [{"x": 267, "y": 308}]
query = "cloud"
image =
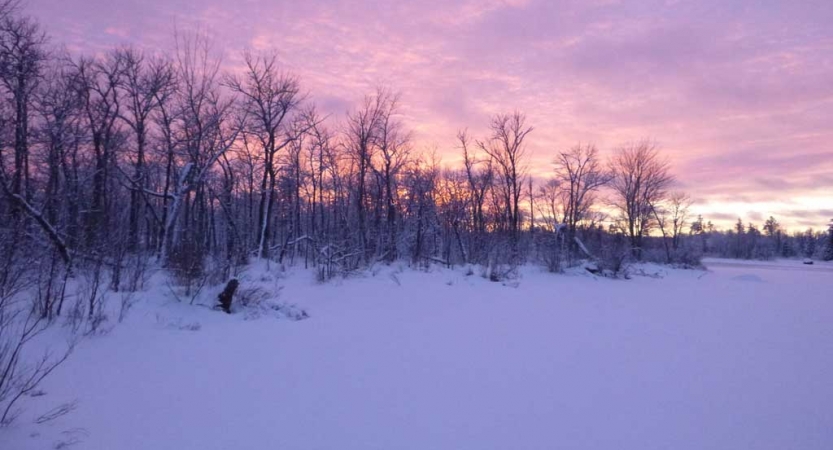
[{"x": 737, "y": 93}]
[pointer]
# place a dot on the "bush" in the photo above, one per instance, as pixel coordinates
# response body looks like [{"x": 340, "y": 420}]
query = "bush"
[
  {"x": 688, "y": 258},
  {"x": 550, "y": 251},
  {"x": 252, "y": 296},
  {"x": 615, "y": 256}
]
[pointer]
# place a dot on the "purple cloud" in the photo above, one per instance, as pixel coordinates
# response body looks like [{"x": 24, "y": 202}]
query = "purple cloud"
[{"x": 738, "y": 93}]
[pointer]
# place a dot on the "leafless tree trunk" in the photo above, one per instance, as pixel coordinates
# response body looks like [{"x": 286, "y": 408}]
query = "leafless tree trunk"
[
  {"x": 679, "y": 206},
  {"x": 506, "y": 148},
  {"x": 97, "y": 84},
  {"x": 580, "y": 174},
  {"x": 22, "y": 56},
  {"x": 146, "y": 85},
  {"x": 480, "y": 175},
  {"x": 362, "y": 139},
  {"x": 206, "y": 130},
  {"x": 393, "y": 153},
  {"x": 270, "y": 97},
  {"x": 641, "y": 178}
]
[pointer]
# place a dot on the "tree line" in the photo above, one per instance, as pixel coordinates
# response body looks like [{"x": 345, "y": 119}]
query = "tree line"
[
  {"x": 128, "y": 158},
  {"x": 749, "y": 241}
]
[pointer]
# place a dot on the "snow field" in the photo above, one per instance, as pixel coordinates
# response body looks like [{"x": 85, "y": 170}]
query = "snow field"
[{"x": 440, "y": 360}]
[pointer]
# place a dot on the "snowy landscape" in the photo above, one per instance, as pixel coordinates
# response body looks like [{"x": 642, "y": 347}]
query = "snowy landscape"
[
  {"x": 735, "y": 356},
  {"x": 416, "y": 225}
]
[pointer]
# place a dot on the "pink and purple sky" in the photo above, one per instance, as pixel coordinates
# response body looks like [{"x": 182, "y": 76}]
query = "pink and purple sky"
[{"x": 739, "y": 94}]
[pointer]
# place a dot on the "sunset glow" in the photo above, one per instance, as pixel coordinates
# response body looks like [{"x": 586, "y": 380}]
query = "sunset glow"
[
  {"x": 738, "y": 94},
  {"x": 423, "y": 224}
]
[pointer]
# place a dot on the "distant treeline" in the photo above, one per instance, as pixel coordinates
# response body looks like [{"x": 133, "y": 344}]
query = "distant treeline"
[{"x": 747, "y": 241}]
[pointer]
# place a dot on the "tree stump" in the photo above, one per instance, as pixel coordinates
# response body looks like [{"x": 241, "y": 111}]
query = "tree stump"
[{"x": 226, "y": 296}]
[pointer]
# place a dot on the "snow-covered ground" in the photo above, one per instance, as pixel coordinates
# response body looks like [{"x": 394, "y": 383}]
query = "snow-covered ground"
[
  {"x": 778, "y": 264},
  {"x": 737, "y": 357}
]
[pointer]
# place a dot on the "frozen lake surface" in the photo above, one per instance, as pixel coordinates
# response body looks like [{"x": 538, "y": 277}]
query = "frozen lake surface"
[{"x": 736, "y": 357}]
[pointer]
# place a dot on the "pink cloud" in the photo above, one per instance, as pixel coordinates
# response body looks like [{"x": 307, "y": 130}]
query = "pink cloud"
[
  {"x": 118, "y": 32},
  {"x": 738, "y": 93}
]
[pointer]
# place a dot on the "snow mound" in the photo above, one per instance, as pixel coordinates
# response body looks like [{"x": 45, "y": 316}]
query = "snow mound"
[{"x": 749, "y": 278}]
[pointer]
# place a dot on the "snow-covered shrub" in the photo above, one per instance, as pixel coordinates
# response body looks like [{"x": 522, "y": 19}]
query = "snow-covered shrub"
[
  {"x": 550, "y": 251},
  {"x": 189, "y": 286},
  {"x": 252, "y": 296},
  {"x": 498, "y": 272},
  {"x": 259, "y": 295},
  {"x": 273, "y": 307},
  {"x": 614, "y": 256},
  {"x": 688, "y": 257},
  {"x": 334, "y": 260},
  {"x": 277, "y": 309},
  {"x": 502, "y": 261},
  {"x": 187, "y": 265}
]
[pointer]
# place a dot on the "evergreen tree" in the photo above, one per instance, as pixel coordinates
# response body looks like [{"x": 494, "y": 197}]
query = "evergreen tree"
[
  {"x": 697, "y": 225},
  {"x": 809, "y": 243},
  {"x": 751, "y": 249},
  {"x": 771, "y": 227},
  {"x": 828, "y": 253},
  {"x": 739, "y": 238}
]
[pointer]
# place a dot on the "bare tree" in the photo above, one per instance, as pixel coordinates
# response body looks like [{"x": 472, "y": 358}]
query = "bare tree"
[
  {"x": 679, "y": 204},
  {"x": 581, "y": 175},
  {"x": 270, "y": 96},
  {"x": 393, "y": 145},
  {"x": 362, "y": 138},
  {"x": 453, "y": 205},
  {"x": 206, "y": 131},
  {"x": 421, "y": 182},
  {"x": 641, "y": 177},
  {"x": 552, "y": 198},
  {"x": 23, "y": 62},
  {"x": 672, "y": 216},
  {"x": 480, "y": 176},
  {"x": 58, "y": 130},
  {"x": 146, "y": 84},
  {"x": 22, "y": 57},
  {"x": 506, "y": 147},
  {"x": 167, "y": 116},
  {"x": 97, "y": 82}
]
